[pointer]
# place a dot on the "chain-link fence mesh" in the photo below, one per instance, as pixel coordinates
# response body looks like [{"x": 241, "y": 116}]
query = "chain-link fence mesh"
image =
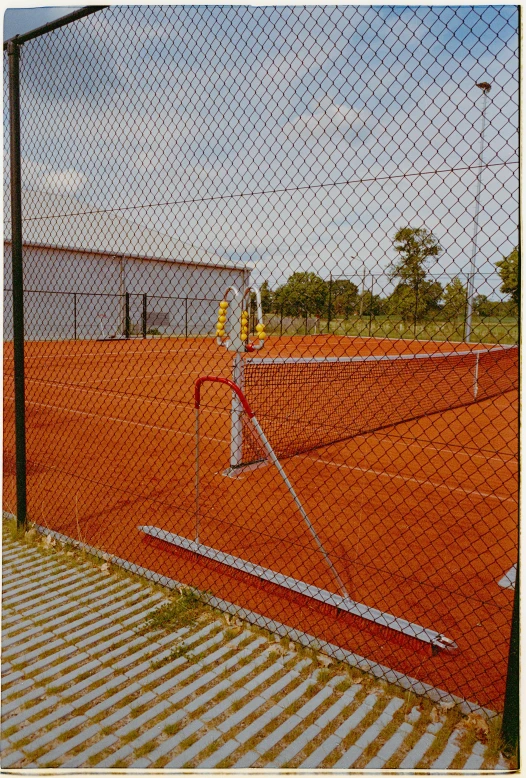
[{"x": 345, "y": 178}]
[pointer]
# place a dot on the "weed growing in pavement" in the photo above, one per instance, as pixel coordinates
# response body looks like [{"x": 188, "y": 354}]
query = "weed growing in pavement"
[
  {"x": 145, "y": 749},
  {"x": 180, "y": 612}
]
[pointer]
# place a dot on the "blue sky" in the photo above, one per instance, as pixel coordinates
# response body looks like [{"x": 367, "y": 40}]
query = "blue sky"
[
  {"x": 18, "y": 21},
  {"x": 296, "y": 138}
]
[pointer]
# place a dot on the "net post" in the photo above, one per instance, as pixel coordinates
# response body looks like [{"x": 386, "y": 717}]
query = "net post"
[
  {"x": 236, "y": 441},
  {"x": 196, "y": 411},
  {"x": 476, "y": 378},
  {"x": 127, "y": 315},
  {"x": 144, "y": 313}
]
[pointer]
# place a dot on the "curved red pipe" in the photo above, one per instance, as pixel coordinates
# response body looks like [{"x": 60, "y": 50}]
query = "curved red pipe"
[{"x": 218, "y": 380}]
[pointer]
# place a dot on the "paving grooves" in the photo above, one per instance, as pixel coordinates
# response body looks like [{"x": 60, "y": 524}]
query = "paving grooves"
[{"x": 81, "y": 687}]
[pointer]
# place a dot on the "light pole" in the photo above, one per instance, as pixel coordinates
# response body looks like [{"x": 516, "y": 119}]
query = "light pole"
[
  {"x": 363, "y": 289},
  {"x": 485, "y": 87}
]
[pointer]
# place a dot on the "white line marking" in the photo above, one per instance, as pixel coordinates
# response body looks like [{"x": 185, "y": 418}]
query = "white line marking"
[
  {"x": 123, "y": 395},
  {"x": 122, "y": 421},
  {"x": 508, "y": 582},
  {"x": 416, "y": 480},
  {"x": 104, "y": 354},
  {"x": 463, "y": 452}
]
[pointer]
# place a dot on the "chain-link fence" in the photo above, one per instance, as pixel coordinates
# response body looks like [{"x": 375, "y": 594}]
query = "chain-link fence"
[{"x": 313, "y": 214}]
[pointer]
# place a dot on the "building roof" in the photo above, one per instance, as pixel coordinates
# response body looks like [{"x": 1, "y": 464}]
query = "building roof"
[{"x": 62, "y": 221}]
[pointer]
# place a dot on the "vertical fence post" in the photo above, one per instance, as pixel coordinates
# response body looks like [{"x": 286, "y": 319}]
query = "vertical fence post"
[
  {"x": 329, "y": 305},
  {"x": 127, "y": 315},
  {"x": 371, "y": 308},
  {"x": 281, "y": 321},
  {"x": 144, "y": 313},
  {"x": 13, "y": 51},
  {"x": 510, "y": 719},
  {"x": 186, "y": 317},
  {"x": 75, "y": 315},
  {"x": 416, "y": 309}
]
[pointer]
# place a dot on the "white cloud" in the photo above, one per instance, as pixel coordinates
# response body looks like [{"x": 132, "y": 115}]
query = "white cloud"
[{"x": 38, "y": 176}]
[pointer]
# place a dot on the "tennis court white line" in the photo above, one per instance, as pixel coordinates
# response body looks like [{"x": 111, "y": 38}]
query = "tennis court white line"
[
  {"x": 385, "y": 473},
  {"x": 110, "y": 380},
  {"x": 456, "y": 453},
  {"x": 122, "y": 421},
  {"x": 424, "y": 445},
  {"x": 155, "y": 400},
  {"x": 146, "y": 352}
]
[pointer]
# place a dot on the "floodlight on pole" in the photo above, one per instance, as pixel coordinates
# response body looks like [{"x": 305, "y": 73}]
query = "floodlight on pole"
[{"x": 485, "y": 87}]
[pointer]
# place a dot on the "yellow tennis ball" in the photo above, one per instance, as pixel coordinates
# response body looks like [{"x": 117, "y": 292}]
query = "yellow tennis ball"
[
  {"x": 223, "y": 304},
  {"x": 244, "y": 336},
  {"x": 262, "y": 335},
  {"x": 260, "y": 327},
  {"x": 222, "y": 318}
]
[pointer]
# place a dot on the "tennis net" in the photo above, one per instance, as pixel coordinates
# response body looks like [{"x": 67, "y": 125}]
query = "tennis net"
[{"x": 306, "y": 403}]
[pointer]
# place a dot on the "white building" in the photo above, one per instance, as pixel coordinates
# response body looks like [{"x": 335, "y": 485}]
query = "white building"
[{"x": 79, "y": 264}]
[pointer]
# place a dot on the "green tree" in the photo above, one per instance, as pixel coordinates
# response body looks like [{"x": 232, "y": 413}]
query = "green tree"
[
  {"x": 303, "y": 293},
  {"x": 371, "y": 304},
  {"x": 509, "y": 274},
  {"x": 344, "y": 299},
  {"x": 266, "y": 297},
  {"x": 415, "y": 304},
  {"x": 482, "y": 306},
  {"x": 455, "y": 300},
  {"x": 414, "y": 297},
  {"x": 414, "y": 246}
]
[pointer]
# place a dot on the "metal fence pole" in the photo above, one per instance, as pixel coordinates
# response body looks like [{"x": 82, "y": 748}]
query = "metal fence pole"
[
  {"x": 416, "y": 309},
  {"x": 510, "y": 719},
  {"x": 186, "y": 317},
  {"x": 329, "y": 306},
  {"x": 127, "y": 315},
  {"x": 144, "y": 313},
  {"x": 13, "y": 50},
  {"x": 472, "y": 264}
]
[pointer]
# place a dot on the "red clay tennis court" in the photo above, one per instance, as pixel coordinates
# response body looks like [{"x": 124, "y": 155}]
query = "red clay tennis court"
[{"x": 419, "y": 518}]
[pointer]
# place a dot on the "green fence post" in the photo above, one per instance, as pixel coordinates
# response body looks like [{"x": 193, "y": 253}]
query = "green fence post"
[
  {"x": 510, "y": 719},
  {"x": 13, "y": 50}
]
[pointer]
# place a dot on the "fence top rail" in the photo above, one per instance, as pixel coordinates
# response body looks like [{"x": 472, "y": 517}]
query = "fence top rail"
[{"x": 80, "y": 13}]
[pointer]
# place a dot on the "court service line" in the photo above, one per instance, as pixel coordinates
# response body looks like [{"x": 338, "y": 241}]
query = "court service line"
[
  {"x": 425, "y": 445},
  {"x": 103, "y": 354},
  {"x": 113, "y": 380},
  {"x": 110, "y": 380},
  {"x": 107, "y": 392},
  {"x": 122, "y": 421},
  {"x": 416, "y": 480}
]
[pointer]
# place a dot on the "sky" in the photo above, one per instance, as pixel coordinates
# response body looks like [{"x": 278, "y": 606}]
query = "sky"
[
  {"x": 18, "y": 21},
  {"x": 293, "y": 138}
]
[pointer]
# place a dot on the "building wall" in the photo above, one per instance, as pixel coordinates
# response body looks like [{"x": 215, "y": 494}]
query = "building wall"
[{"x": 72, "y": 294}]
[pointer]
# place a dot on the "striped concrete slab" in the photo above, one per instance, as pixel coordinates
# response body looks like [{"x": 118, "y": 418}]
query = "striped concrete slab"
[{"x": 84, "y": 685}]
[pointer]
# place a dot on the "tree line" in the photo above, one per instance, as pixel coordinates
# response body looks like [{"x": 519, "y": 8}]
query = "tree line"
[{"x": 415, "y": 297}]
